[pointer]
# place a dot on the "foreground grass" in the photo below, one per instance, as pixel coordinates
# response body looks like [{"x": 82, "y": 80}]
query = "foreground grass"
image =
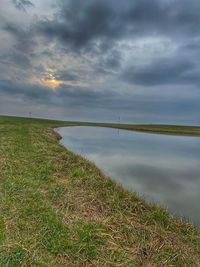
[{"x": 57, "y": 209}]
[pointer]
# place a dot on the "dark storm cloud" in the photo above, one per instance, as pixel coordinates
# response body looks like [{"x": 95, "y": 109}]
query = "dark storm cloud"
[
  {"x": 22, "y": 4},
  {"x": 80, "y": 23},
  {"x": 163, "y": 71},
  {"x": 97, "y": 26},
  {"x": 165, "y": 17}
]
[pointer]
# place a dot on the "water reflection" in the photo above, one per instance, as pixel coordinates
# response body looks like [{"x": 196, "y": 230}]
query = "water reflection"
[{"x": 163, "y": 169}]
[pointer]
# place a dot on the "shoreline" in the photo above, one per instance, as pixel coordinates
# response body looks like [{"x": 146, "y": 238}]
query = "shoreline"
[
  {"x": 165, "y": 129},
  {"x": 173, "y": 216}
]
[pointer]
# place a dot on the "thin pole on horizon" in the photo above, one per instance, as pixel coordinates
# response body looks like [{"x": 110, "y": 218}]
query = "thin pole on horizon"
[{"x": 119, "y": 120}]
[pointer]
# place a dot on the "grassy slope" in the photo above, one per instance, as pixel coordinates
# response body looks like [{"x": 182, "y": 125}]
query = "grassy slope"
[{"x": 57, "y": 209}]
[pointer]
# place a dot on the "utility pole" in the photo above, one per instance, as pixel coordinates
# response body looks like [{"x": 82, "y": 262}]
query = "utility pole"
[{"x": 119, "y": 120}]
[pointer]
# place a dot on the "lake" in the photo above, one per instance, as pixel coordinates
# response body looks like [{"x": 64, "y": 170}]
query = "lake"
[{"x": 163, "y": 169}]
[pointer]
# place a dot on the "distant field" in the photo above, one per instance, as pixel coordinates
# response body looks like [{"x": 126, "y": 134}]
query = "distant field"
[
  {"x": 58, "y": 209},
  {"x": 149, "y": 128}
]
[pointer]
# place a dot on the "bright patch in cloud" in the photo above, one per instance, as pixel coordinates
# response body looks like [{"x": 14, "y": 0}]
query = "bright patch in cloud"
[{"x": 51, "y": 83}]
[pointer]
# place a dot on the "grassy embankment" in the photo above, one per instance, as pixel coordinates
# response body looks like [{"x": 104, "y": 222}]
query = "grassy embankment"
[{"x": 58, "y": 209}]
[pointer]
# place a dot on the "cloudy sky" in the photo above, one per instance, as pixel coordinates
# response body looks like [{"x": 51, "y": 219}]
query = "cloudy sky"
[{"x": 101, "y": 59}]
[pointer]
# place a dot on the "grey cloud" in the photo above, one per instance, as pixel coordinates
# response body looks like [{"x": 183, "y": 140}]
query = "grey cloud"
[
  {"x": 26, "y": 91},
  {"x": 22, "y": 4},
  {"x": 66, "y": 76},
  {"x": 165, "y": 17},
  {"x": 72, "y": 96},
  {"x": 24, "y": 38},
  {"x": 163, "y": 71},
  {"x": 109, "y": 63},
  {"x": 75, "y": 97},
  {"x": 113, "y": 59},
  {"x": 21, "y": 59}
]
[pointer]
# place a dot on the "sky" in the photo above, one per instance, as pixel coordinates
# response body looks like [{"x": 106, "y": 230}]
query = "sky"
[{"x": 98, "y": 60}]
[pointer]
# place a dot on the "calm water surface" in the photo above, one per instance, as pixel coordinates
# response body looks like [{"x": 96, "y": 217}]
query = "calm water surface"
[{"x": 162, "y": 169}]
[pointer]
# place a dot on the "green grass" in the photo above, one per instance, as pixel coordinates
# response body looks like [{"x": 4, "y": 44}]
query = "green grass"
[{"x": 58, "y": 209}]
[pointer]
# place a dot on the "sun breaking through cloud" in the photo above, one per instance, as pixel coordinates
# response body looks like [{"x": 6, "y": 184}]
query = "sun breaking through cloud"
[{"x": 51, "y": 83}]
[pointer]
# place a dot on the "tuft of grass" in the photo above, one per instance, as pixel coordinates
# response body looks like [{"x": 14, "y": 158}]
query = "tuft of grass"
[
  {"x": 162, "y": 218},
  {"x": 78, "y": 173},
  {"x": 58, "y": 209}
]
